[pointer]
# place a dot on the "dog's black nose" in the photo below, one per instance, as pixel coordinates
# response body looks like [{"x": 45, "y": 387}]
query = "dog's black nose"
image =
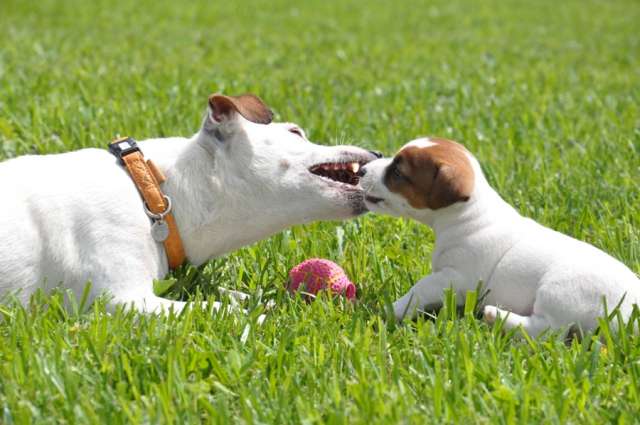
[
  {"x": 376, "y": 154},
  {"x": 361, "y": 172}
]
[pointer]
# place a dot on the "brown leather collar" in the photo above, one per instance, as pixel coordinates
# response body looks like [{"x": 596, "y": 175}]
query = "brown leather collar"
[{"x": 148, "y": 178}]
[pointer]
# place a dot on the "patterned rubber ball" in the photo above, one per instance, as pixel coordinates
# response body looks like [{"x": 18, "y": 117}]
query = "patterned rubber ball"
[{"x": 317, "y": 274}]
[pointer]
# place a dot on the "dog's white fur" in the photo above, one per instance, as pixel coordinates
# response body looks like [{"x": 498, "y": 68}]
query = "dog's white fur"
[
  {"x": 536, "y": 277},
  {"x": 77, "y": 217}
]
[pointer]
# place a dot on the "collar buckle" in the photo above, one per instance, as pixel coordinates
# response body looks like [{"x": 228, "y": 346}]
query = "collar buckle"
[{"x": 122, "y": 147}]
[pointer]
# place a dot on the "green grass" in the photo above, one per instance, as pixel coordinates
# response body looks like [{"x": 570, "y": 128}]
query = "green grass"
[{"x": 545, "y": 93}]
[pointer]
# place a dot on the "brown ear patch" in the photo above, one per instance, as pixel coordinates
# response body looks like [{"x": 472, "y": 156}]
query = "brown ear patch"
[
  {"x": 250, "y": 106},
  {"x": 431, "y": 177}
]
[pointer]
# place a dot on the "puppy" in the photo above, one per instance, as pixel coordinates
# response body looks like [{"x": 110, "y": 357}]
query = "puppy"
[
  {"x": 77, "y": 217},
  {"x": 536, "y": 278}
]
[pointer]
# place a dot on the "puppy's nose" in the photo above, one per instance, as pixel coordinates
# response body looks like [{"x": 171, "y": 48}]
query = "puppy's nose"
[
  {"x": 361, "y": 172},
  {"x": 376, "y": 154}
]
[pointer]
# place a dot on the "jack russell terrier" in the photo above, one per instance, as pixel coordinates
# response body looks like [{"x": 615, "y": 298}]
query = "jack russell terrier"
[
  {"x": 536, "y": 277},
  {"x": 77, "y": 217}
]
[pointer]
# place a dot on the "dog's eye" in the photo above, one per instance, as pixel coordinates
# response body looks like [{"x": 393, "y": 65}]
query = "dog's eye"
[
  {"x": 296, "y": 130},
  {"x": 395, "y": 172}
]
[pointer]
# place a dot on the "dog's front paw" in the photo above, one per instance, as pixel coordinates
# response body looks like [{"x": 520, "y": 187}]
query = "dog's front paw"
[
  {"x": 399, "y": 311},
  {"x": 405, "y": 307},
  {"x": 490, "y": 314}
]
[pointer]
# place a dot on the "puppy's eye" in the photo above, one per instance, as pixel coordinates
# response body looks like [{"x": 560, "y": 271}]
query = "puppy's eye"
[
  {"x": 396, "y": 175},
  {"x": 296, "y": 130},
  {"x": 395, "y": 172}
]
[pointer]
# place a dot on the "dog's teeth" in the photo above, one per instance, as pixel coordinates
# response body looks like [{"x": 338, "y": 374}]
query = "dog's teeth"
[{"x": 343, "y": 172}]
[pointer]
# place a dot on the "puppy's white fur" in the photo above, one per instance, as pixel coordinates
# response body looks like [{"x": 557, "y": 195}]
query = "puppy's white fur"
[
  {"x": 77, "y": 217},
  {"x": 536, "y": 277}
]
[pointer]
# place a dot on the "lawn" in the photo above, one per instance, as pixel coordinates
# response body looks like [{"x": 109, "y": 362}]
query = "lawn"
[{"x": 545, "y": 93}]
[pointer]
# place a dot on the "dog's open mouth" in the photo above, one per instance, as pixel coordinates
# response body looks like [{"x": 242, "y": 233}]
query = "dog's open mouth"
[{"x": 341, "y": 172}]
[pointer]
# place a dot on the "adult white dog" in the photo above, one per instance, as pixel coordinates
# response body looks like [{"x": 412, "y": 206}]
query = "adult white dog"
[
  {"x": 77, "y": 217},
  {"x": 536, "y": 277}
]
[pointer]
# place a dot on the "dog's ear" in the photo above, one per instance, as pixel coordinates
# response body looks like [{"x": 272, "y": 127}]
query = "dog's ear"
[
  {"x": 451, "y": 183},
  {"x": 250, "y": 106}
]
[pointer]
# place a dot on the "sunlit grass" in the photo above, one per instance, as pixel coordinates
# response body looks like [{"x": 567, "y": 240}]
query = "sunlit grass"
[{"x": 546, "y": 95}]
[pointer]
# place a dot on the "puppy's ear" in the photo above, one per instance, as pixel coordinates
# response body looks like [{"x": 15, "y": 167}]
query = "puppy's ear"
[
  {"x": 451, "y": 183},
  {"x": 251, "y": 107}
]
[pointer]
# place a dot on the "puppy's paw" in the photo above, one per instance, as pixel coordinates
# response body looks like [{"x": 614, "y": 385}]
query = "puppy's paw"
[
  {"x": 399, "y": 310},
  {"x": 406, "y": 307},
  {"x": 490, "y": 314}
]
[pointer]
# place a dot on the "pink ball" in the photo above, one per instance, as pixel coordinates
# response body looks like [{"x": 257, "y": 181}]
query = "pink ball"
[{"x": 316, "y": 274}]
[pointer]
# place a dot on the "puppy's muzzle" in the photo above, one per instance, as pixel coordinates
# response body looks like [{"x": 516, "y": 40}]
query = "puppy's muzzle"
[{"x": 362, "y": 170}]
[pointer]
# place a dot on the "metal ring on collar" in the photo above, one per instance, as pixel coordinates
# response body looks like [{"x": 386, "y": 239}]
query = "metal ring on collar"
[{"x": 162, "y": 215}]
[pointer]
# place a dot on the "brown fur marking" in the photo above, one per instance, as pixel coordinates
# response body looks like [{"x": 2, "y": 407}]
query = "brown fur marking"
[
  {"x": 249, "y": 106},
  {"x": 433, "y": 177}
]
